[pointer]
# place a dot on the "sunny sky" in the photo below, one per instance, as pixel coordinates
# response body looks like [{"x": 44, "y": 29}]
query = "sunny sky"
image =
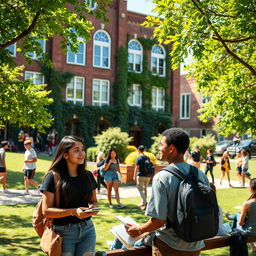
[{"x": 140, "y": 6}]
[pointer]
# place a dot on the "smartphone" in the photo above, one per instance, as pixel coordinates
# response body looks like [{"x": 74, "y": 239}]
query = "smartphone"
[{"x": 92, "y": 210}]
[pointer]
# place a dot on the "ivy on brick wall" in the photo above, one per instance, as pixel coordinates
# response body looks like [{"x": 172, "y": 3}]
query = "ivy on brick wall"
[
  {"x": 146, "y": 79},
  {"x": 83, "y": 120}
]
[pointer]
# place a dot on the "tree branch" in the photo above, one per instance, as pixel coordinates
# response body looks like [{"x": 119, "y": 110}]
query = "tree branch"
[
  {"x": 23, "y": 34},
  {"x": 249, "y": 67}
]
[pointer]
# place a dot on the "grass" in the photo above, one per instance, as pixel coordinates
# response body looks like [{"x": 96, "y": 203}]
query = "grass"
[
  {"x": 17, "y": 237},
  {"x": 14, "y": 162}
]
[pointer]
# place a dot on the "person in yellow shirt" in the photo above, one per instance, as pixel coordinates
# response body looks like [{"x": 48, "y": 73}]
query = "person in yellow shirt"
[{"x": 225, "y": 167}]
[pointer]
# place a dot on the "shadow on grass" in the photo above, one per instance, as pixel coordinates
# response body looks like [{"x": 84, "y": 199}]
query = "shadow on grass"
[{"x": 19, "y": 245}]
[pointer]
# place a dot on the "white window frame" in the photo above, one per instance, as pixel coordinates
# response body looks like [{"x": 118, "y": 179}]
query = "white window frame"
[
  {"x": 100, "y": 102},
  {"x": 134, "y": 53},
  {"x": 101, "y": 45},
  {"x": 207, "y": 131},
  {"x": 33, "y": 78},
  {"x": 33, "y": 54},
  {"x": 158, "y": 107},
  {"x": 75, "y": 100},
  {"x": 91, "y": 4},
  {"x": 158, "y": 57},
  {"x": 131, "y": 98},
  {"x": 187, "y": 116},
  {"x": 84, "y": 52},
  {"x": 14, "y": 49}
]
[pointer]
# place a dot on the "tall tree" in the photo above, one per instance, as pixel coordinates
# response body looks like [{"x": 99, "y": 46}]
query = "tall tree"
[
  {"x": 22, "y": 23},
  {"x": 220, "y": 35}
]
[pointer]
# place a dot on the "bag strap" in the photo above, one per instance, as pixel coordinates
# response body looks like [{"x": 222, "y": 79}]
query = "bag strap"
[
  {"x": 56, "y": 177},
  {"x": 176, "y": 172}
]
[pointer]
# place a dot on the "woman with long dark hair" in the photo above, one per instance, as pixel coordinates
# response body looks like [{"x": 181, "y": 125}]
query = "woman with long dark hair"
[
  {"x": 77, "y": 192},
  {"x": 246, "y": 220},
  {"x": 111, "y": 168}
]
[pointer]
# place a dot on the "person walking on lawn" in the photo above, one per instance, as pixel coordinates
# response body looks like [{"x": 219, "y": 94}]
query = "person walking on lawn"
[
  {"x": 140, "y": 176},
  {"x": 162, "y": 204},
  {"x": 3, "y": 169},
  {"x": 29, "y": 168}
]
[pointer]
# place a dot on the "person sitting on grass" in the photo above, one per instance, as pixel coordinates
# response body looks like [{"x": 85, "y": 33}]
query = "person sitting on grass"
[{"x": 246, "y": 220}]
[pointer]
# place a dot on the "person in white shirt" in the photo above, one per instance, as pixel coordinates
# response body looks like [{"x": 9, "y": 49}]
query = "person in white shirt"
[
  {"x": 29, "y": 168},
  {"x": 3, "y": 169}
]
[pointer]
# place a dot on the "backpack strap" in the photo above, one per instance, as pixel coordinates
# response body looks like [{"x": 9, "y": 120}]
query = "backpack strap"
[
  {"x": 175, "y": 171},
  {"x": 56, "y": 177}
]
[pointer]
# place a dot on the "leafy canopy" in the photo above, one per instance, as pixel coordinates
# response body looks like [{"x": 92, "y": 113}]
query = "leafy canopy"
[
  {"x": 220, "y": 35},
  {"x": 23, "y": 23},
  {"x": 21, "y": 101}
]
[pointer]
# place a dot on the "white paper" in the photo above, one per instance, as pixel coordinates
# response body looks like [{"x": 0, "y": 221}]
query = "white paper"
[{"x": 120, "y": 231}]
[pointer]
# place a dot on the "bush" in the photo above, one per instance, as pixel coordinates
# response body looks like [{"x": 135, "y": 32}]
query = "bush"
[
  {"x": 205, "y": 143},
  {"x": 131, "y": 149},
  {"x": 113, "y": 138},
  {"x": 192, "y": 141},
  {"x": 130, "y": 159},
  {"x": 155, "y": 146},
  {"x": 91, "y": 154}
]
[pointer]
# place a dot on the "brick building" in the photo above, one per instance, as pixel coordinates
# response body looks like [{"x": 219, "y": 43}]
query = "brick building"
[
  {"x": 185, "y": 112},
  {"x": 89, "y": 102}
]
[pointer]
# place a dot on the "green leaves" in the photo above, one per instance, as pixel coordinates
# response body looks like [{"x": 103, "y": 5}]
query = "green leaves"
[
  {"x": 21, "y": 101},
  {"x": 221, "y": 37}
]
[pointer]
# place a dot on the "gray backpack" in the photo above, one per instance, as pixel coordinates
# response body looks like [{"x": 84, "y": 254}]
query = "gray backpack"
[{"x": 197, "y": 214}]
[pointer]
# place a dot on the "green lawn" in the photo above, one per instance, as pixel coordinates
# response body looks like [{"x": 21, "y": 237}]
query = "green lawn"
[
  {"x": 17, "y": 237},
  {"x": 14, "y": 162}
]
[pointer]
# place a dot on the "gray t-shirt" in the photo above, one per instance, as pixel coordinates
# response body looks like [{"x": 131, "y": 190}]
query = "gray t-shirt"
[
  {"x": 2, "y": 157},
  {"x": 162, "y": 206}
]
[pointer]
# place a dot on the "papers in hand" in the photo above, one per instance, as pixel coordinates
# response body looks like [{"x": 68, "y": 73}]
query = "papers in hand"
[{"x": 120, "y": 231}]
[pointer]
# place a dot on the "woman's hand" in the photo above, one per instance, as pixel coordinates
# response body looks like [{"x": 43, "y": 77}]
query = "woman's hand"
[{"x": 81, "y": 214}]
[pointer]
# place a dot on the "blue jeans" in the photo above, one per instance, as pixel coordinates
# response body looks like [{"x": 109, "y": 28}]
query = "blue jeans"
[
  {"x": 78, "y": 239},
  {"x": 117, "y": 244},
  {"x": 110, "y": 176},
  {"x": 235, "y": 219}
]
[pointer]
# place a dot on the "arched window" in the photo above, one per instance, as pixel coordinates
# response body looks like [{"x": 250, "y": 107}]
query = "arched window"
[
  {"x": 101, "y": 49},
  {"x": 158, "y": 60},
  {"x": 135, "y": 52},
  {"x": 91, "y": 4}
]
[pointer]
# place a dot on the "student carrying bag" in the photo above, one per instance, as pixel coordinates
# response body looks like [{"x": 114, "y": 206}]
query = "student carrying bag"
[
  {"x": 149, "y": 167},
  {"x": 197, "y": 208},
  {"x": 51, "y": 241}
]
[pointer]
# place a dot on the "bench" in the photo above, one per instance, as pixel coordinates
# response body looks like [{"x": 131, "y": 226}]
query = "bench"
[{"x": 211, "y": 243}]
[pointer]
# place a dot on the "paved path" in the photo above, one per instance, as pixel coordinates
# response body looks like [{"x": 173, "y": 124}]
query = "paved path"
[{"x": 17, "y": 196}]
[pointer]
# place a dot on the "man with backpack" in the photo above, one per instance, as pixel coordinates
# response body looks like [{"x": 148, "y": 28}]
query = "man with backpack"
[
  {"x": 142, "y": 176},
  {"x": 168, "y": 214}
]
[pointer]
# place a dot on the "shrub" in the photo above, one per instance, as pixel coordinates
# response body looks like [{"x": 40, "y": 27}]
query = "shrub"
[
  {"x": 131, "y": 148},
  {"x": 155, "y": 146},
  {"x": 91, "y": 154},
  {"x": 192, "y": 141},
  {"x": 113, "y": 138},
  {"x": 207, "y": 142},
  {"x": 130, "y": 159}
]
